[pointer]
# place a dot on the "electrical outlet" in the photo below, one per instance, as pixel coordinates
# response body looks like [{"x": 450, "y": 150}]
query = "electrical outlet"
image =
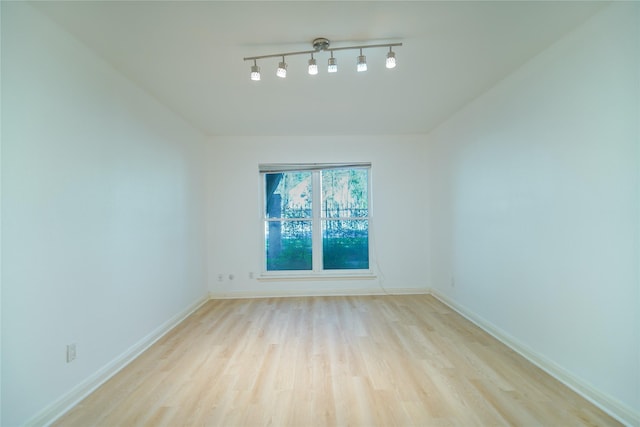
[
  {"x": 220, "y": 277},
  {"x": 231, "y": 277},
  {"x": 71, "y": 352}
]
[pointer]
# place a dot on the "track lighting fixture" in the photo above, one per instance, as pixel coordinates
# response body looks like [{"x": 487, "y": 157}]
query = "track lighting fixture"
[{"x": 320, "y": 45}]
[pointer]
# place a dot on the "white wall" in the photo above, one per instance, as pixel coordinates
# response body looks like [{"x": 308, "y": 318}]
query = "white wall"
[
  {"x": 533, "y": 201},
  {"x": 102, "y": 216},
  {"x": 535, "y": 207},
  {"x": 399, "y": 239}
]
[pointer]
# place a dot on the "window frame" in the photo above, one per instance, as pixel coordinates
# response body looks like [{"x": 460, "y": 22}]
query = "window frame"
[{"x": 317, "y": 220}]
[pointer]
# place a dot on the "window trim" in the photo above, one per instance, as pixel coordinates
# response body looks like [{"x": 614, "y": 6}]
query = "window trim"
[{"x": 316, "y": 273}]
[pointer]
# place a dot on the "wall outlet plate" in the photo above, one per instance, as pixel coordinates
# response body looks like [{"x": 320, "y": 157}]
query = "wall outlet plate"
[{"x": 71, "y": 352}]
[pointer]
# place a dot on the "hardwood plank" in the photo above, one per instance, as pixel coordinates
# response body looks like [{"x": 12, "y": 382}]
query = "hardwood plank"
[{"x": 361, "y": 360}]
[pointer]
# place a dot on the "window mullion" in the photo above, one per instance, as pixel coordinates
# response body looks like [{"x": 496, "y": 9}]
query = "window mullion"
[{"x": 316, "y": 206}]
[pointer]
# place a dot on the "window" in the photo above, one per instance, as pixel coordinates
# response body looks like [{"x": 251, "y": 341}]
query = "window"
[{"x": 316, "y": 217}]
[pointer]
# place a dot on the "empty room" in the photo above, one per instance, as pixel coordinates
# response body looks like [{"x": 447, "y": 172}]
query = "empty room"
[{"x": 320, "y": 213}]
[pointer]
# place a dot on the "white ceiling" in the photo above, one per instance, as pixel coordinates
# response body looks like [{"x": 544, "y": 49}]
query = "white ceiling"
[{"x": 189, "y": 55}]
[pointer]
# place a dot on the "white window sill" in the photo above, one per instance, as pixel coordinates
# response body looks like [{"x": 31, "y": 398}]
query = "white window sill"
[{"x": 265, "y": 277}]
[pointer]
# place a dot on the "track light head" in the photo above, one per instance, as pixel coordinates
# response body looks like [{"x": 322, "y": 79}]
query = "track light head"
[
  {"x": 313, "y": 66},
  {"x": 362, "y": 62},
  {"x": 333, "y": 65},
  {"x": 391, "y": 59},
  {"x": 282, "y": 69},
  {"x": 255, "y": 72}
]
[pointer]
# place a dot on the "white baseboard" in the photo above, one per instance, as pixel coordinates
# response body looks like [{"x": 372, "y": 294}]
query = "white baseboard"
[
  {"x": 319, "y": 292},
  {"x": 611, "y": 406},
  {"x": 62, "y": 405}
]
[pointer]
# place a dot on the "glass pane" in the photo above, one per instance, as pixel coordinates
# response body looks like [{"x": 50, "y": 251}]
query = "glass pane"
[
  {"x": 288, "y": 245},
  {"x": 345, "y": 244},
  {"x": 344, "y": 193},
  {"x": 288, "y": 195}
]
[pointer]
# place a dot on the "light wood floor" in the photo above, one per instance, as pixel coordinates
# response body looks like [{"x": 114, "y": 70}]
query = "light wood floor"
[{"x": 331, "y": 361}]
